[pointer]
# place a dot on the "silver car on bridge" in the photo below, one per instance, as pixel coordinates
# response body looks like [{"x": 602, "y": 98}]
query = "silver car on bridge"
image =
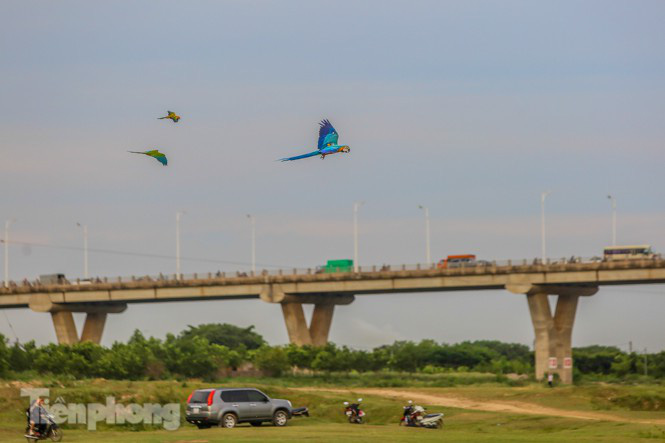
[{"x": 226, "y": 407}]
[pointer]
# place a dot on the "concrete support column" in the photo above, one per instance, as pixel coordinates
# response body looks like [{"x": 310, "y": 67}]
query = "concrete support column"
[
  {"x": 294, "y": 317},
  {"x": 319, "y": 328},
  {"x": 93, "y": 327},
  {"x": 63, "y": 320},
  {"x": 553, "y": 333},
  {"x": 564, "y": 318},
  {"x": 543, "y": 326},
  {"x": 65, "y": 328}
]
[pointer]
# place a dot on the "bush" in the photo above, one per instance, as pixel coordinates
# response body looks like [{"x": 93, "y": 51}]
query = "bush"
[
  {"x": 200, "y": 352},
  {"x": 272, "y": 359}
]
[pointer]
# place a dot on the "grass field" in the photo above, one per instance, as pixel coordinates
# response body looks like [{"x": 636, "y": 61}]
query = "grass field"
[{"x": 540, "y": 416}]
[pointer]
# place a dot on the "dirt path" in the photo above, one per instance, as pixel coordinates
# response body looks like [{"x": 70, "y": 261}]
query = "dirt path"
[{"x": 492, "y": 406}]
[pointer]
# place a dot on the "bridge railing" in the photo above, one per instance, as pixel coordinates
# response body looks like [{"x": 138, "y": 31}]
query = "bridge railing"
[{"x": 478, "y": 265}]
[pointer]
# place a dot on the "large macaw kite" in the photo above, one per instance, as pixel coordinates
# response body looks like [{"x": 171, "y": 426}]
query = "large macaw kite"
[
  {"x": 154, "y": 154},
  {"x": 172, "y": 115},
  {"x": 327, "y": 143}
]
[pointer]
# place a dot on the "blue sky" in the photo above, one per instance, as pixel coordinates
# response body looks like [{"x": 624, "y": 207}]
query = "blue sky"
[{"x": 471, "y": 108}]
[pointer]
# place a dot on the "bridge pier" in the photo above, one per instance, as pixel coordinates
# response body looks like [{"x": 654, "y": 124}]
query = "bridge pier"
[
  {"x": 296, "y": 325},
  {"x": 63, "y": 319},
  {"x": 294, "y": 315},
  {"x": 321, "y": 322},
  {"x": 94, "y": 326},
  {"x": 553, "y": 334},
  {"x": 65, "y": 328}
]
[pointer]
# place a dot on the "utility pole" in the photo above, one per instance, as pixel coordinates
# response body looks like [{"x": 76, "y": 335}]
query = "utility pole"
[
  {"x": 85, "y": 249},
  {"x": 177, "y": 244},
  {"x": 542, "y": 226},
  {"x": 7, "y": 224},
  {"x": 428, "y": 256},
  {"x": 646, "y": 363},
  {"x": 252, "y": 221},
  {"x": 614, "y": 219},
  {"x": 356, "y": 206}
]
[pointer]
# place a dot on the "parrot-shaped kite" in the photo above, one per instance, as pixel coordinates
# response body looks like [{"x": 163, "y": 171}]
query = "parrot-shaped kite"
[
  {"x": 154, "y": 154},
  {"x": 327, "y": 143},
  {"x": 172, "y": 115}
]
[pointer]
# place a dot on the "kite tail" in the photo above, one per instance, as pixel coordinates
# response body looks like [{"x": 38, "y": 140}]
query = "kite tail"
[{"x": 298, "y": 157}]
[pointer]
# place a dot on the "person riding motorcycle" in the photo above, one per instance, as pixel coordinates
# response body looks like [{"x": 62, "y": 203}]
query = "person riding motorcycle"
[{"x": 38, "y": 417}]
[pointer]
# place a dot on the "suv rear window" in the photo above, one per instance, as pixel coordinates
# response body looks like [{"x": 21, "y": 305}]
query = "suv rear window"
[
  {"x": 234, "y": 396},
  {"x": 200, "y": 397}
]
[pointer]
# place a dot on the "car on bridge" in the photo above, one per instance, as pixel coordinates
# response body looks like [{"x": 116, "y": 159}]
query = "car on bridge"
[
  {"x": 457, "y": 261},
  {"x": 630, "y": 252},
  {"x": 53, "y": 279},
  {"x": 226, "y": 407},
  {"x": 334, "y": 266}
]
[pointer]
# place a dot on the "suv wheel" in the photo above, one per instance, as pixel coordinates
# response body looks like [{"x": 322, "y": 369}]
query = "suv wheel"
[
  {"x": 228, "y": 421},
  {"x": 280, "y": 418}
]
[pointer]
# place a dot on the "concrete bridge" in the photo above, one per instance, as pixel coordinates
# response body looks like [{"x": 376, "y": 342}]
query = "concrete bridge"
[{"x": 553, "y": 333}]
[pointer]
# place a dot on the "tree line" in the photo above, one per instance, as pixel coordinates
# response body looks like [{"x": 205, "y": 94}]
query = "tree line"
[{"x": 209, "y": 351}]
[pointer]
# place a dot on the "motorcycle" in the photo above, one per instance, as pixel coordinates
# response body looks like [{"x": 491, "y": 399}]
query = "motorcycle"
[
  {"x": 300, "y": 412},
  {"x": 353, "y": 412},
  {"x": 415, "y": 415},
  {"x": 51, "y": 431}
]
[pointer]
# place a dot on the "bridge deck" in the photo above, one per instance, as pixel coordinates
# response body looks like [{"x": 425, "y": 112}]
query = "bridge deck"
[{"x": 483, "y": 277}]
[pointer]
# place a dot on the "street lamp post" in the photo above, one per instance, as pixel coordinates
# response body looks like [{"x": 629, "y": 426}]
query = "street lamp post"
[
  {"x": 178, "y": 274},
  {"x": 614, "y": 219},
  {"x": 356, "y": 206},
  {"x": 85, "y": 249},
  {"x": 428, "y": 256},
  {"x": 252, "y": 221},
  {"x": 542, "y": 226},
  {"x": 7, "y": 224}
]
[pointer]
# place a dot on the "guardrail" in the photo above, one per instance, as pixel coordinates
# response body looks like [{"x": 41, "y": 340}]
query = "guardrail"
[{"x": 478, "y": 267}]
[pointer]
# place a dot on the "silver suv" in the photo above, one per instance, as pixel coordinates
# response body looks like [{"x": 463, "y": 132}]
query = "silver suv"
[{"x": 226, "y": 407}]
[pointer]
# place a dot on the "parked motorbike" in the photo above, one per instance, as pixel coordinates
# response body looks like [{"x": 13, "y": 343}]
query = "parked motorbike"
[
  {"x": 353, "y": 412},
  {"x": 416, "y": 416},
  {"x": 51, "y": 431},
  {"x": 300, "y": 412}
]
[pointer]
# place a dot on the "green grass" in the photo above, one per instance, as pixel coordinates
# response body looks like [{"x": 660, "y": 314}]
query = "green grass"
[
  {"x": 328, "y": 423},
  {"x": 631, "y": 401},
  {"x": 386, "y": 379}
]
